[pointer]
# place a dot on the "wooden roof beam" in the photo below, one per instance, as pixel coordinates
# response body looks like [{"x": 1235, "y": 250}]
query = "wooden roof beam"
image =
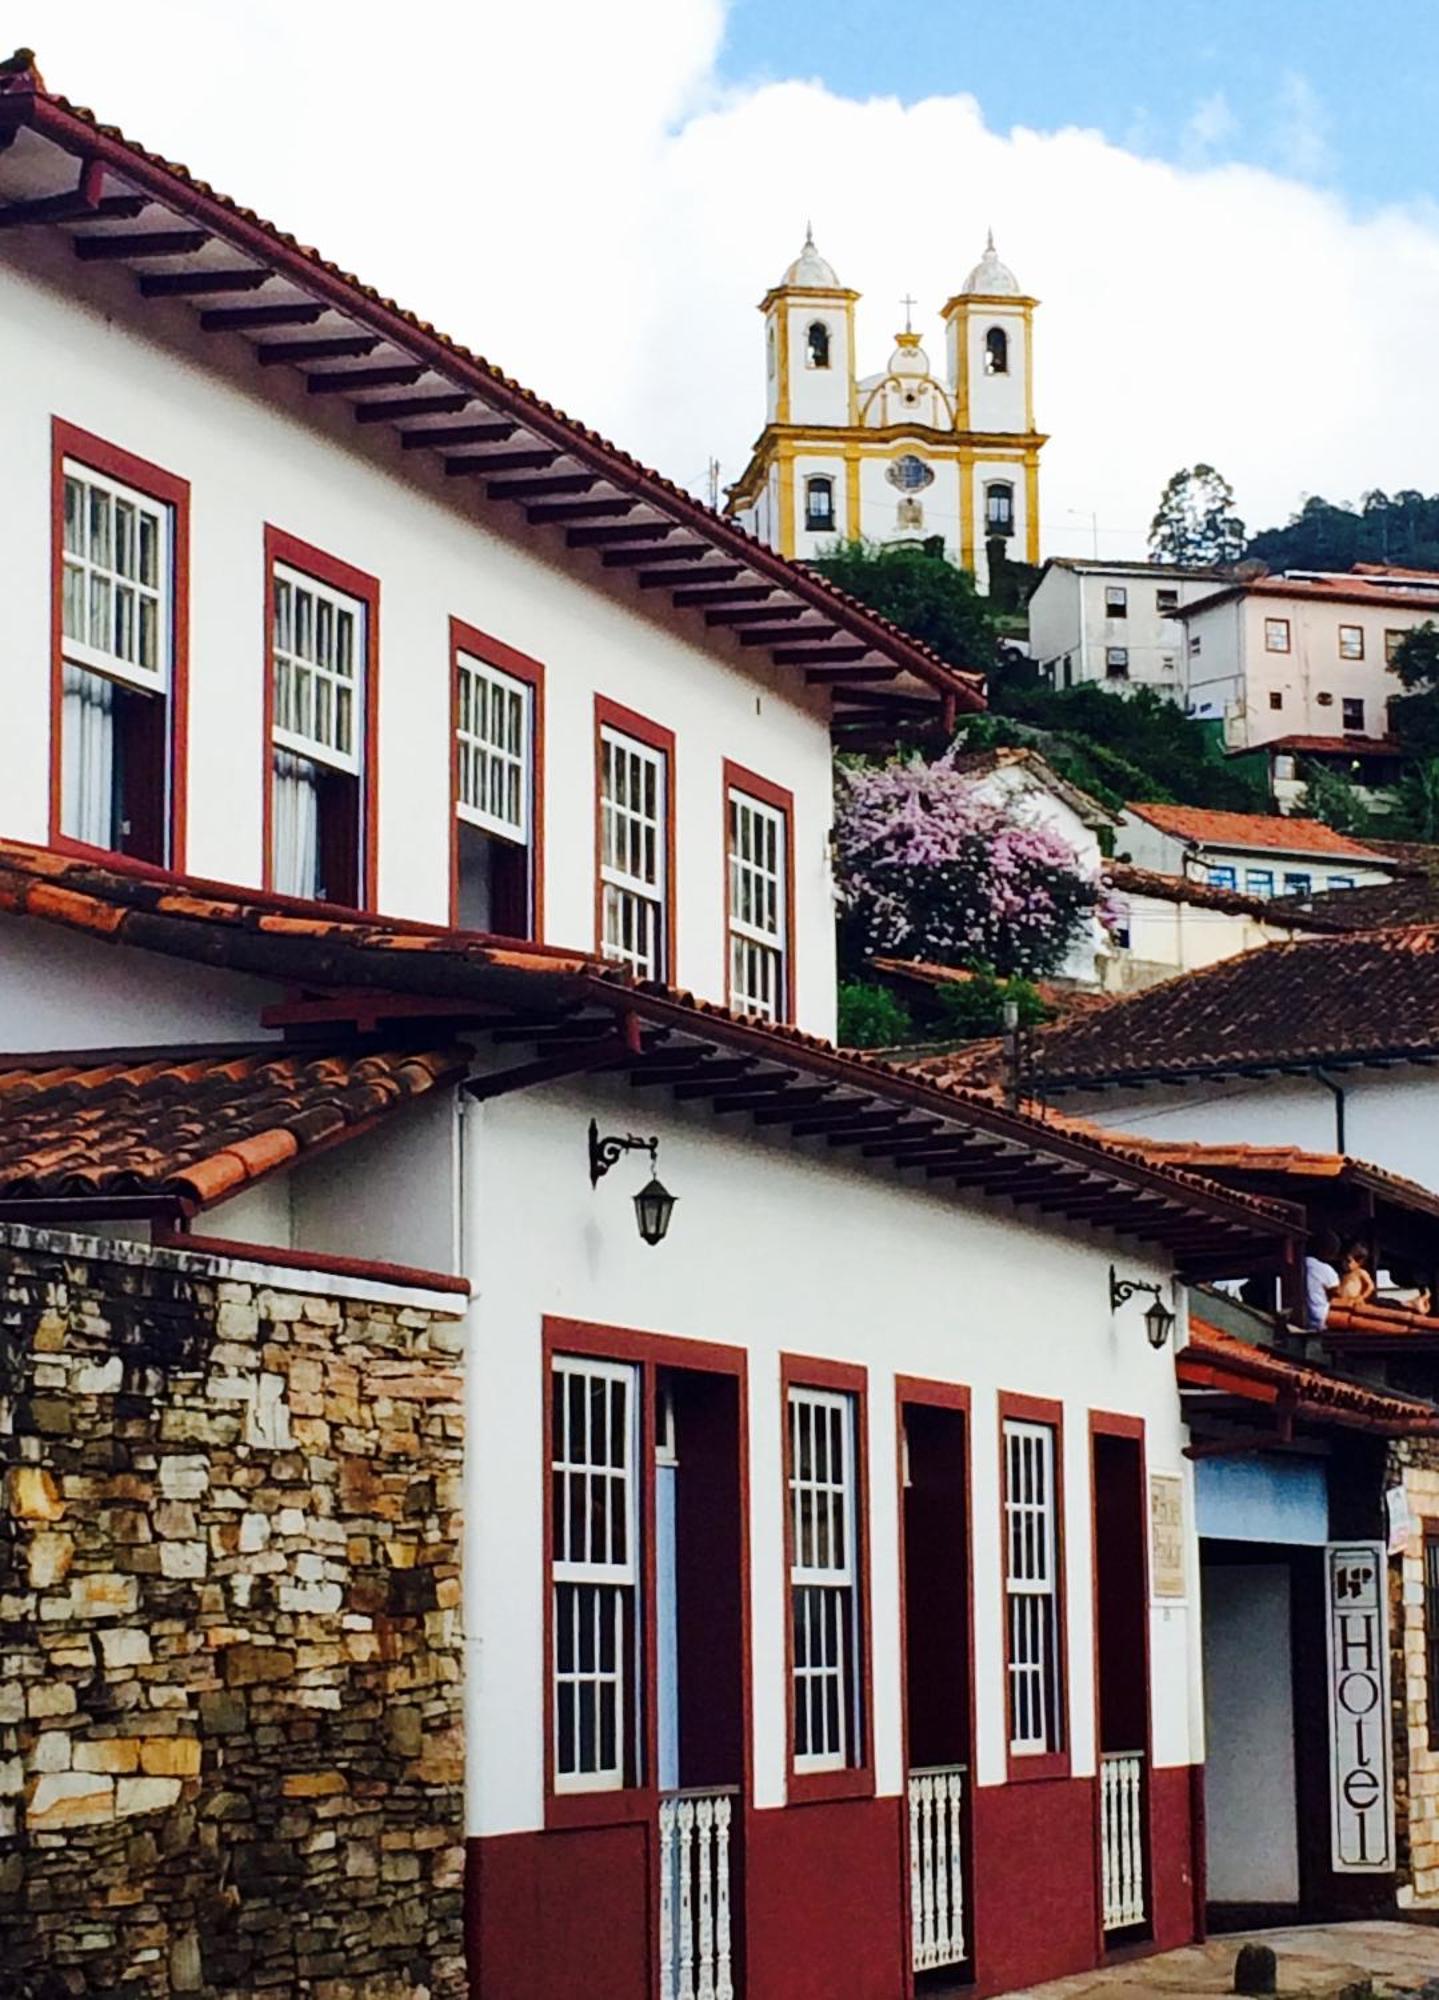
[
  {"x": 400, "y": 375},
  {"x": 258, "y": 319},
  {"x": 676, "y": 553},
  {"x": 622, "y": 531},
  {"x": 140, "y": 243},
  {"x": 753, "y": 614},
  {"x": 658, "y": 579},
  {"x": 200, "y": 284},
  {"x": 843, "y": 676},
  {"x": 523, "y": 459},
  {"x": 75, "y": 204},
  {"x": 393, "y": 408},
  {"x": 560, "y": 511},
  {"x": 699, "y": 1067},
  {"x": 334, "y": 347},
  {"x": 441, "y": 437},
  {"x": 822, "y": 656},
  {"x": 766, "y": 637},
  {"x": 905, "y": 1126},
  {"x": 743, "y": 593},
  {"x": 540, "y": 488},
  {"x": 736, "y": 1075}
]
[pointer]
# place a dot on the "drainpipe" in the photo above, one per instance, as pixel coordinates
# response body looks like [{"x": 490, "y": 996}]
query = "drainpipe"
[{"x": 1339, "y": 1106}]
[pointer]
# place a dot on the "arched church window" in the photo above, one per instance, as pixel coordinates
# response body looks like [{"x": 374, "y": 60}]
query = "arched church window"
[
  {"x": 816, "y": 345},
  {"x": 909, "y": 473},
  {"x": 996, "y": 351},
  {"x": 819, "y": 504},
  {"x": 999, "y": 508}
]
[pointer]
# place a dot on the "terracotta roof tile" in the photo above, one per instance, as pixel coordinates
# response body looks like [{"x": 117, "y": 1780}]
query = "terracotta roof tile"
[
  {"x": 1213, "y": 1359},
  {"x": 1132, "y": 881},
  {"x": 193, "y": 1129},
  {"x": 1264, "y": 832}
]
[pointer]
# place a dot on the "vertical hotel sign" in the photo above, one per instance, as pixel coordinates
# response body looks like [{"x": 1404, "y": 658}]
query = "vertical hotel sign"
[{"x": 1360, "y": 1788}]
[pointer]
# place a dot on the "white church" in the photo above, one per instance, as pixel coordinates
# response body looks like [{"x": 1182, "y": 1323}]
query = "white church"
[{"x": 905, "y": 454}]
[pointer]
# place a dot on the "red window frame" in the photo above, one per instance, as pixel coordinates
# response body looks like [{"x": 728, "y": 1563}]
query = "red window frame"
[
  {"x": 69, "y": 441},
  {"x": 631, "y": 1804},
  {"x": 654, "y": 736},
  {"x": 856, "y": 1781},
  {"x": 327, "y": 569},
  {"x": 735, "y": 777},
  {"x": 519, "y": 666},
  {"x": 1019, "y": 1768}
]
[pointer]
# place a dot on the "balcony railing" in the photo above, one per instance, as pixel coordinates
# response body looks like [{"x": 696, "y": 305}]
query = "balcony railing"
[
  {"x": 696, "y": 1958},
  {"x": 1121, "y": 1834},
  {"x": 936, "y": 1865}
]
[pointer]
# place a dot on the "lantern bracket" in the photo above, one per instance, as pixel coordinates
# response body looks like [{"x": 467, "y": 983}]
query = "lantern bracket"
[{"x": 613, "y": 1146}]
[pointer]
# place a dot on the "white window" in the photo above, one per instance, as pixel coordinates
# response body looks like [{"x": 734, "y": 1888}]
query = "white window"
[
  {"x": 318, "y": 648},
  {"x": 633, "y": 859},
  {"x": 1032, "y": 1588},
  {"x": 1116, "y": 601},
  {"x": 1276, "y": 635},
  {"x": 757, "y": 907},
  {"x": 493, "y": 732},
  {"x": 595, "y": 1567},
  {"x": 117, "y": 644},
  {"x": 824, "y": 1576},
  {"x": 1351, "y": 642}
]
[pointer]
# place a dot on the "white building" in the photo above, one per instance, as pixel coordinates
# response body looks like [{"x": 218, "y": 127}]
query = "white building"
[
  {"x": 1114, "y": 623},
  {"x": 1259, "y": 854},
  {"x": 1167, "y": 924},
  {"x": 905, "y": 454},
  {"x": 788, "y": 1628},
  {"x": 1303, "y": 655}
]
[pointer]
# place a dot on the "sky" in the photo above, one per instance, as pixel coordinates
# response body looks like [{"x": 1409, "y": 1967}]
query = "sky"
[{"x": 1225, "y": 210}]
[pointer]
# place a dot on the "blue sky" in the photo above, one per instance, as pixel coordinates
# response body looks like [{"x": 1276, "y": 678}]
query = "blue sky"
[{"x": 1335, "y": 92}]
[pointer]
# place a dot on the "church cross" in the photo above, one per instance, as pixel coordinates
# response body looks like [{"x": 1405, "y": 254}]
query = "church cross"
[{"x": 907, "y": 302}]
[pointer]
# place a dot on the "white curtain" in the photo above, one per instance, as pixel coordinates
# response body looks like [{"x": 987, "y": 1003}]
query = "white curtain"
[
  {"x": 87, "y": 758},
  {"x": 295, "y": 835}
]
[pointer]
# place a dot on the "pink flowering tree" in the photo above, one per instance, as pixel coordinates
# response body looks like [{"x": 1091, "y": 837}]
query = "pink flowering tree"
[{"x": 925, "y": 870}]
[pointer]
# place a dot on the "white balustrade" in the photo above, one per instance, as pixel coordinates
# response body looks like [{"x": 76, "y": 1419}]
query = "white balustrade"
[
  {"x": 936, "y": 1866},
  {"x": 695, "y": 1945},
  {"x": 1121, "y": 1823}
]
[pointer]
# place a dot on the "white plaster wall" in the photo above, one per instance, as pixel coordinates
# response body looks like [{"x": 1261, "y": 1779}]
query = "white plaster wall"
[
  {"x": 1212, "y": 679},
  {"x": 1311, "y": 679},
  {"x": 879, "y": 501},
  {"x": 1138, "y": 840},
  {"x": 781, "y": 1252},
  {"x": 209, "y": 414},
  {"x": 1183, "y": 937},
  {"x": 61, "y": 989},
  {"x": 405, "y": 1213}
]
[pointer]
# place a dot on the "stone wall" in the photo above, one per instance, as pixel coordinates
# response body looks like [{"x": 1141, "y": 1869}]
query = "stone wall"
[
  {"x": 1415, "y": 1461},
  {"x": 230, "y": 1665}
]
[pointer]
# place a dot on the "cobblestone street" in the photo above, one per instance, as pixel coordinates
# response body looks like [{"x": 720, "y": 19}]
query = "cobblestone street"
[{"x": 1317, "y": 1959}]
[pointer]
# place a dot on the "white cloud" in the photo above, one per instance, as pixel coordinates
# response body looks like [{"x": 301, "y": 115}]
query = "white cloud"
[
  {"x": 1208, "y": 128},
  {"x": 1301, "y": 130},
  {"x": 567, "y": 187}
]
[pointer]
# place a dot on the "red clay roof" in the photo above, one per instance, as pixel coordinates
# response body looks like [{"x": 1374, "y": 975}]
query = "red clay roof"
[
  {"x": 1347, "y": 589},
  {"x": 365, "y": 971},
  {"x": 267, "y": 259},
  {"x": 1374, "y": 1320},
  {"x": 1065, "y": 1000},
  {"x": 1335, "y": 746},
  {"x": 1269, "y": 832},
  {"x": 193, "y": 1128},
  {"x": 1216, "y": 1360}
]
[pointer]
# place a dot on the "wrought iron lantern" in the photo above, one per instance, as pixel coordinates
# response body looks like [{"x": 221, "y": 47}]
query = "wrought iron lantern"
[
  {"x": 654, "y": 1204},
  {"x": 1158, "y": 1319}
]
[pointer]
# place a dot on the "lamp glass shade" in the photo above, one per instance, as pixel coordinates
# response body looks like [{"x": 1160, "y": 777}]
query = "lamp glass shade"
[
  {"x": 654, "y": 1205},
  {"x": 1158, "y": 1323}
]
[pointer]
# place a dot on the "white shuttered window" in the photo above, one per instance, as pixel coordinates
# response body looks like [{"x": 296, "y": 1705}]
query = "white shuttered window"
[
  {"x": 117, "y": 595},
  {"x": 494, "y": 730},
  {"x": 1032, "y": 1588},
  {"x": 594, "y": 1461},
  {"x": 824, "y": 1580},
  {"x": 319, "y": 648},
  {"x": 757, "y": 913},
  {"x": 633, "y": 862}
]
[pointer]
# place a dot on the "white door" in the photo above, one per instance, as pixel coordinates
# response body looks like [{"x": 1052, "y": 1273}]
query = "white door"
[{"x": 1251, "y": 1822}]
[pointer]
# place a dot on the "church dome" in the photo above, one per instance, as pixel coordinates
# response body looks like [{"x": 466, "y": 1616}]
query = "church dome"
[
  {"x": 909, "y": 358},
  {"x": 810, "y": 269},
  {"x": 990, "y": 277}
]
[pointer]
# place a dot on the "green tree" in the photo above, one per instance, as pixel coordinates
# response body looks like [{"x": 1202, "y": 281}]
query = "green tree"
[
  {"x": 1333, "y": 799},
  {"x": 1414, "y": 717},
  {"x": 1416, "y": 803},
  {"x": 871, "y": 1017},
  {"x": 1400, "y": 528},
  {"x": 975, "y": 1006},
  {"x": 916, "y": 586},
  {"x": 1195, "y": 522}
]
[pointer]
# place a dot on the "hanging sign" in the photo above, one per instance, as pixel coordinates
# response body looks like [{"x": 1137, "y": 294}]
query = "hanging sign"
[
  {"x": 1360, "y": 1788},
  {"x": 1166, "y": 1535}
]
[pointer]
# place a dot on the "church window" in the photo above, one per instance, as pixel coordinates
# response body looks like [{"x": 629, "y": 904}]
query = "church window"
[
  {"x": 996, "y": 351},
  {"x": 909, "y": 474},
  {"x": 999, "y": 508},
  {"x": 819, "y": 504},
  {"x": 816, "y": 345}
]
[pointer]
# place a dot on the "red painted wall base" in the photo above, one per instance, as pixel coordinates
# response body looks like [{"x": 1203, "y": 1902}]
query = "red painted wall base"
[{"x": 821, "y": 1897}]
